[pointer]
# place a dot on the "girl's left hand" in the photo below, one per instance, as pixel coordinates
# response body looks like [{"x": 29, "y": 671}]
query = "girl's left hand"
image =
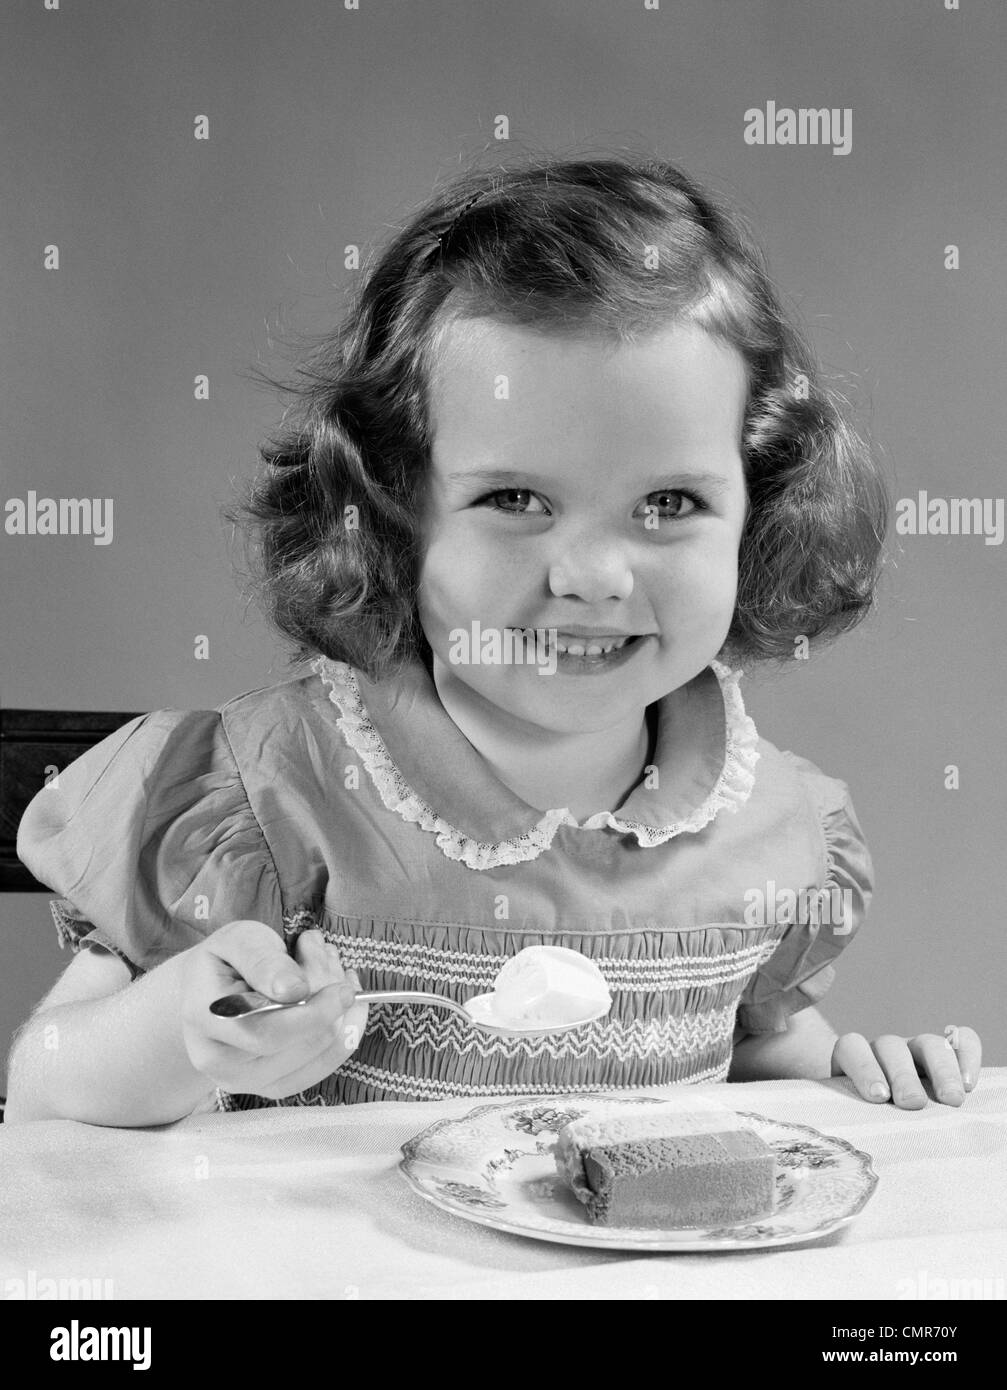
[{"x": 890, "y": 1067}]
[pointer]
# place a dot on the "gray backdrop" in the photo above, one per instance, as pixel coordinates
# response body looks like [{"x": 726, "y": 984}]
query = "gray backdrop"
[{"x": 327, "y": 126}]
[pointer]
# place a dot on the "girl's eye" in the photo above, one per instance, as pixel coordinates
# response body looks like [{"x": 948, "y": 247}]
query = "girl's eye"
[
  {"x": 668, "y": 503},
  {"x": 516, "y": 501}
]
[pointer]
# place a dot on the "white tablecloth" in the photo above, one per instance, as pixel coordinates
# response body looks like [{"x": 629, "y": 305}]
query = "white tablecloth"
[{"x": 308, "y": 1203}]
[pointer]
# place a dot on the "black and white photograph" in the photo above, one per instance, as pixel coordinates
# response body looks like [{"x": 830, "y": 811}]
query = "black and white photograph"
[{"x": 502, "y": 780}]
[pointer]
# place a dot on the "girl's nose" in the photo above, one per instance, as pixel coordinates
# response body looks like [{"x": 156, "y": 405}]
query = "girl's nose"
[{"x": 592, "y": 571}]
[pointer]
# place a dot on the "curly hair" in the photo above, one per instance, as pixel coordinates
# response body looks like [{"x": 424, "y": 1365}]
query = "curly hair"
[{"x": 615, "y": 246}]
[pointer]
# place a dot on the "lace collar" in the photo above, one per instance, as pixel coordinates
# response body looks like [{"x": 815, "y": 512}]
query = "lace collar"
[{"x": 418, "y": 760}]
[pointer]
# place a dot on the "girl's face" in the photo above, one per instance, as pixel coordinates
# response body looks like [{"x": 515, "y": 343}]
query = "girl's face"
[{"x": 589, "y": 487}]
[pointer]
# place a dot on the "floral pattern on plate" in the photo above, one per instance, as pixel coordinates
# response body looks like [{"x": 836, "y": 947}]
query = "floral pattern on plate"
[{"x": 495, "y": 1166}]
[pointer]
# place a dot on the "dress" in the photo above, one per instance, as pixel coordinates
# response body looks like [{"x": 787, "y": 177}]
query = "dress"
[{"x": 360, "y": 807}]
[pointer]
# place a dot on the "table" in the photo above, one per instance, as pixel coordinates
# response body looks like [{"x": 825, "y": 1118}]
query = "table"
[{"x": 298, "y": 1202}]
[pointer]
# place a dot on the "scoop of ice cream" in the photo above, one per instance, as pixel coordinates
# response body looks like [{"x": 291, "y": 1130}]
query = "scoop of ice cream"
[{"x": 547, "y": 986}]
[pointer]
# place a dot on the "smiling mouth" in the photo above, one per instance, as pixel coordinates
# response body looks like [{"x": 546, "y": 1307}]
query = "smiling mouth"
[{"x": 572, "y": 645}]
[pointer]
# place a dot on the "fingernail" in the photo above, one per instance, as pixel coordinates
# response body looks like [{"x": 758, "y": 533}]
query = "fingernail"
[
  {"x": 968, "y": 1080},
  {"x": 879, "y": 1090},
  {"x": 911, "y": 1100},
  {"x": 286, "y": 980},
  {"x": 347, "y": 996},
  {"x": 948, "y": 1094}
]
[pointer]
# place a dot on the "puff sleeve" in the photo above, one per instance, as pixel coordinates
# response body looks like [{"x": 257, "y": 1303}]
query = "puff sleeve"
[
  {"x": 800, "y": 971},
  {"x": 150, "y": 841}
]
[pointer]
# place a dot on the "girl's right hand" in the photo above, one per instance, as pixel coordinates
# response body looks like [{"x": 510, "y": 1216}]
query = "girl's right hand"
[{"x": 275, "y": 1054}]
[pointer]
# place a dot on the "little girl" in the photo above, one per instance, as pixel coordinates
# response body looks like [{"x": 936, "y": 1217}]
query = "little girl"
[{"x": 565, "y": 461}]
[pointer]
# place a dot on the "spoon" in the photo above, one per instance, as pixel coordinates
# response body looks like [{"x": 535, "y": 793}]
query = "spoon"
[{"x": 475, "y": 1011}]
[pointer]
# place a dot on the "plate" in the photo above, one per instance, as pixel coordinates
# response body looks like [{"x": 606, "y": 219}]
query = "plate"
[{"x": 495, "y": 1166}]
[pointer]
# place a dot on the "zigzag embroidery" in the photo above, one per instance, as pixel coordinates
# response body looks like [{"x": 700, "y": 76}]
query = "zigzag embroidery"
[
  {"x": 427, "y": 1088},
  {"x": 430, "y": 1088},
  {"x": 419, "y": 962},
  {"x": 419, "y": 1025}
]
